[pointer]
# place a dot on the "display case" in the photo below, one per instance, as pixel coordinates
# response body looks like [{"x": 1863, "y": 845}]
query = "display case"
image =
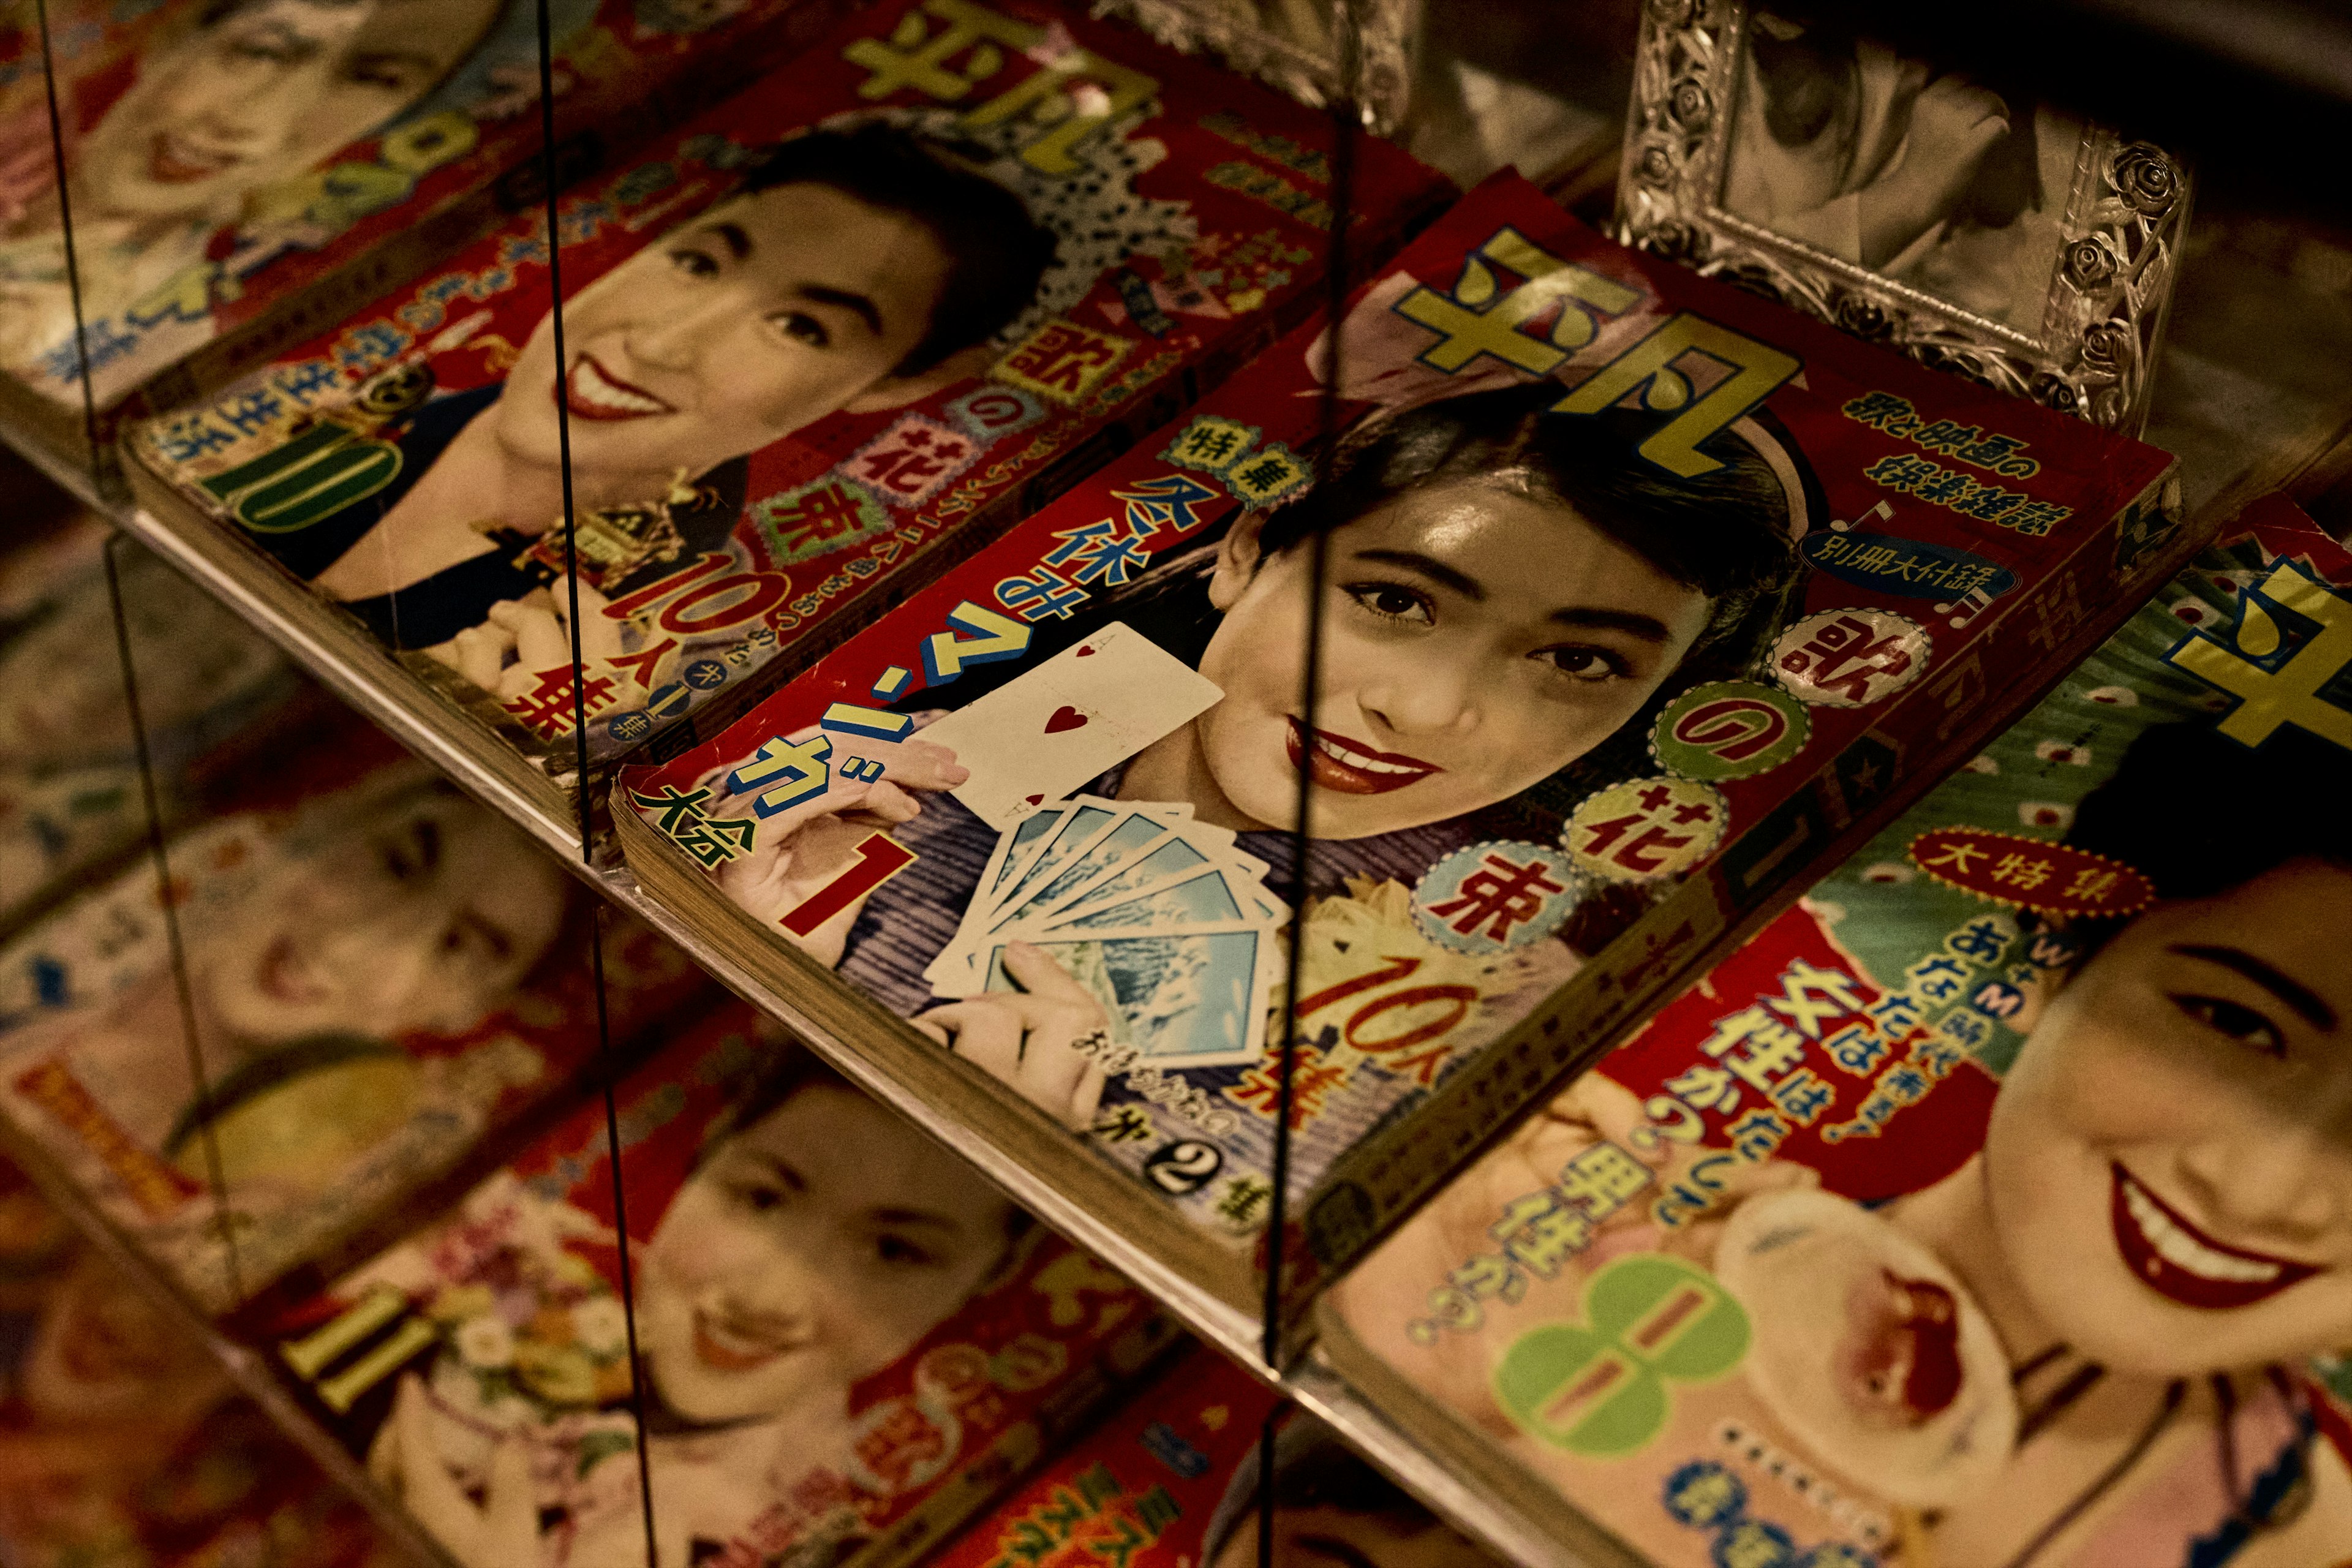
[{"x": 1000, "y": 781}]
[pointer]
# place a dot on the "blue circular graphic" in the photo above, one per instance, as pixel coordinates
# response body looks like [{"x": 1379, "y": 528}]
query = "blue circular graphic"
[{"x": 1493, "y": 896}]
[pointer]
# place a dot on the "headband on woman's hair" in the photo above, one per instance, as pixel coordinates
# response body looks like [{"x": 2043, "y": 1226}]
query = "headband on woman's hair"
[{"x": 1774, "y": 450}]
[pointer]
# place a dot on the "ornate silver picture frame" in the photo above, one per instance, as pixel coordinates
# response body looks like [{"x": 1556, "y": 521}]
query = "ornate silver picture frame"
[{"x": 1975, "y": 229}]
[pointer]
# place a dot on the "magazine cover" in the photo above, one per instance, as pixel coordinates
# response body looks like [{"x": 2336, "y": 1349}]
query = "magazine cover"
[
  {"x": 1989, "y": 1207},
  {"x": 1173, "y": 1479},
  {"x": 380, "y": 974},
  {"x": 121, "y": 1438},
  {"x": 1594, "y": 616},
  {"x": 848, "y": 1341},
  {"x": 210, "y": 692},
  {"x": 836, "y": 323},
  {"x": 239, "y": 174}
]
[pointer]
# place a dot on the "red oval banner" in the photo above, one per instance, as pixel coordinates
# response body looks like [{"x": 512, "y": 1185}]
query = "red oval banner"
[{"x": 2031, "y": 873}]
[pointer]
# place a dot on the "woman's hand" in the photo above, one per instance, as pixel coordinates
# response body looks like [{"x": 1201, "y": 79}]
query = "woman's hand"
[
  {"x": 796, "y": 852},
  {"x": 503, "y": 1532},
  {"x": 524, "y": 640},
  {"x": 1028, "y": 1038}
]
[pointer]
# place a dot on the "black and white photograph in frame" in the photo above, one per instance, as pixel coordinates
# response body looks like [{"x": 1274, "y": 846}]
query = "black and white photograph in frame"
[{"x": 1968, "y": 222}]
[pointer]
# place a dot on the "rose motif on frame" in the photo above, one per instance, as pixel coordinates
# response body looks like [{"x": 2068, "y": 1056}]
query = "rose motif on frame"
[
  {"x": 2109, "y": 348},
  {"x": 1689, "y": 106},
  {"x": 2056, "y": 392},
  {"x": 1676, "y": 241},
  {"x": 2089, "y": 262},
  {"x": 1862, "y": 316},
  {"x": 2144, "y": 177}
]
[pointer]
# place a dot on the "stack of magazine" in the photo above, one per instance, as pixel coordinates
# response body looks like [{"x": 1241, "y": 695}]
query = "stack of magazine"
[
  {"x": 1643, "y": 601},
  {"x": 818, "y": 344},
  {"x": 1776, "y": 913}
]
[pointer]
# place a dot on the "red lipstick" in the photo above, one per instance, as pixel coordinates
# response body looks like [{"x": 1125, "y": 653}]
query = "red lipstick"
[
  {"x": 1336, "y": 762},
  {"x": 588, "y": 391},
  {"x": 2182, "y": 1263}
]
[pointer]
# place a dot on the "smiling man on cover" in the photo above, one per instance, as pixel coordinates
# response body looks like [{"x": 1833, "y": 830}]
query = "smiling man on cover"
[{"x": 856, "y": 270}]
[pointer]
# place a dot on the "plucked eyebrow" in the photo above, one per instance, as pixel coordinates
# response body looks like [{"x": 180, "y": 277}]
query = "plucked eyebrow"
[
  {"x": 785, "y": 1173},
  {"x": 1333, "y": 1548},
  {"x": 1633, "y": 623},
  {"x": 738, "y": 244},
  {"x": 394, "y": 58},
  {"x": 1578, "y": 617},
  {"x": 277, "y": 35},
  {"x": 2314, "y": 1011},
  {"x": 922, "y": 1217},
  {"x": 1429, "y": 567},
  {"x": 848, "y": 299}
]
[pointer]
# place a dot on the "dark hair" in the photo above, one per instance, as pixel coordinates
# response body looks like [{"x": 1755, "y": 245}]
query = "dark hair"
[
  {"x": 996, "y": 253},
  {"x": 1725, "y": 533},
  {"x": 2147, "y": 815},
  {"x": 1312, "y": 1468},
  {"x": 786, "y": 1069}
]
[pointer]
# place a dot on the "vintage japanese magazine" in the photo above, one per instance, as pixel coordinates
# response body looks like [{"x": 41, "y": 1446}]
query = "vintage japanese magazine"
[
  {"x": 212, "y": 693},
  {"x": 383, "y": 975},
  {"x": 1042, "y": 812},
  {"x": 240, "y": 174},
  {"x": 848, "y": 1343},
  {"x": 1171, "y": 1480},
  {"x": 121, "y": 1435},
  {"x": 818, "y": 341},
  {"x": 1990, "y": 1206}
]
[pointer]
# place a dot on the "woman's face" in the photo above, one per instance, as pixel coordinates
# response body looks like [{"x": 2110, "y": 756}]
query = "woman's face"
[
  {"x": 419, "y": 915},
  {"x": 104, "y": 1353},
  {"x": 265, "y": 93},
  {"x": 2169, "y": 1163},
  {"x": 1475, "y": 641},
  {"x": 757, "y": 319},
  {"x": 809, "y": 1251}
]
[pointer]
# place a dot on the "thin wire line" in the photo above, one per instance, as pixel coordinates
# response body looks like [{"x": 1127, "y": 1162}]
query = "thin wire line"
[
  {"x": 1345, "y": 123},
  {"x": 1267, "y": 1430},
  {"x": 73, "y": 265},
  {"x": 2174, "y": 1393},
  {"x": 606, "y": 1067},
  {"x": 181, "y": 985}
]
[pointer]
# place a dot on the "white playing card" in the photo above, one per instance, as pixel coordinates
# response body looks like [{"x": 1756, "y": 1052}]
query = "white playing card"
[
  {"x": 1179, "y": 856},
  {"x": 1125, "y": 838},
  {"x": 1038, "y": 738},
  {"x": 1189, "y": 996},
  {"x": 1015, "y": 849},
  {"x": 1204, "y": 897}
]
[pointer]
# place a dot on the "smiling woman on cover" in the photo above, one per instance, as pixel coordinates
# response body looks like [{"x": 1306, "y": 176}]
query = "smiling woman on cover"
[
  {"x": 2088, "y": 1345},
  {"x": 399, "y": 908},
  {"x": 855, "y": 271},
  {"x": 234, "y": 96},
  {"x": 1509, "y": 591},
  {"x": 817, "y": 1240}
]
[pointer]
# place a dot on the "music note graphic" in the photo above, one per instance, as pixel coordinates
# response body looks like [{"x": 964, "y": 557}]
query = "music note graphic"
[
  {"x": 1972, "y": 605},
  {"x": 1882, "y": 511}
]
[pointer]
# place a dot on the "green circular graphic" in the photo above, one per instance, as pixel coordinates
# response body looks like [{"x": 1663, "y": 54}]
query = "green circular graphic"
[
  {"x": 1729, "y": 730},
  {"x": 1599, "y": 1388}
]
